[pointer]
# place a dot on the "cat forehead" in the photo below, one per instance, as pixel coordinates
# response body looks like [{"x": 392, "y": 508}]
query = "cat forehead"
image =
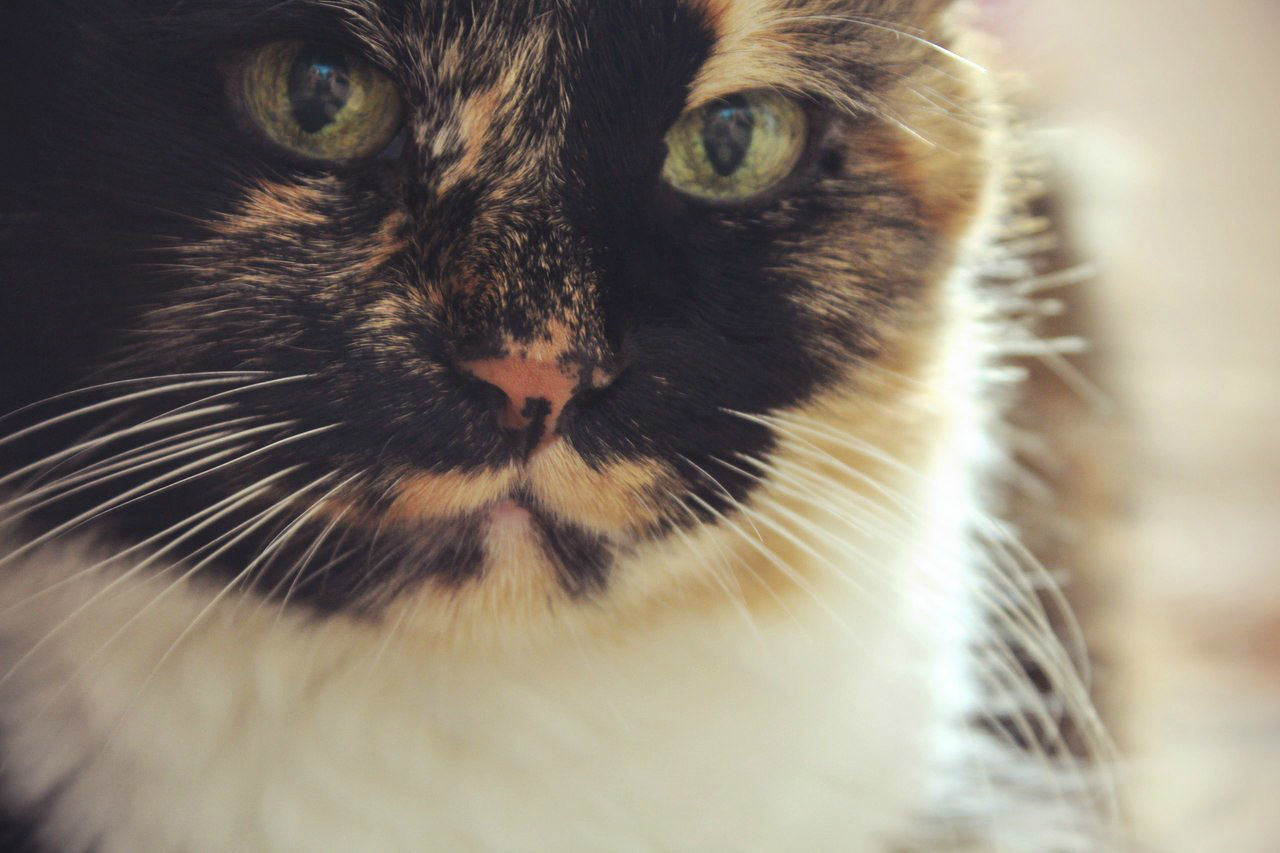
[
  {"x": 475, "y": 64},
  {"x": 749, "y": 43}
]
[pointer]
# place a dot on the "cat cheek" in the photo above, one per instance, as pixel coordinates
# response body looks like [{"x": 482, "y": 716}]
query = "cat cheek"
[
  {"x": 388, "y": 242},
  {"x": 430, "y": 496},
  {"x": 274, "y": 207},
  {"x": 946, "y": 186},
  {"x": 619, "y": 498}
]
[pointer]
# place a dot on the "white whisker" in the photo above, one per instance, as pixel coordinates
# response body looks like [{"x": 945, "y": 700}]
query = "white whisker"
[
  {"x": 124, "y": 468},
  {"x": 788, "y": 571},
  {"x": 245, "y": 529},
  {"x": 227, "y": 505},
  {"x": 266, "y": 555},
  {"x": 230, "y": 503},
  {"x": 110, "y": 437},
  {"x": 896, "y": 30},
  {"x": 125, "y": 457},
  {"x": 1014, "y": 681},
  {"x": 729, "y": 498},
  {"x": 107, "y": 404},
  {"x": 720, "y": 574},
  {"x": 166, "y": 481},
  {"x": 117, "y": 501}
]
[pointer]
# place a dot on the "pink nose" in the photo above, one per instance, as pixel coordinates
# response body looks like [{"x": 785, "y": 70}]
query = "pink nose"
[{"x": 536, "y": 392}]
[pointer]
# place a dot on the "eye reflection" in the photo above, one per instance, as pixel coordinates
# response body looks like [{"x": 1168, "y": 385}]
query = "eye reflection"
[
  {"x": 726, "y": 133},
  {"x": 319, "y": 87}
]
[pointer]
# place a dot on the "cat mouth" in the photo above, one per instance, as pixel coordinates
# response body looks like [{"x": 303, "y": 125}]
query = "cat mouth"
[
  {"x": 553, "y": 516},
  {"x": 510, "y": 512},
  {"x": 517, "y": 535},
  {"x": 517, "y": 513},
  {"x": 509, "y": 540}
]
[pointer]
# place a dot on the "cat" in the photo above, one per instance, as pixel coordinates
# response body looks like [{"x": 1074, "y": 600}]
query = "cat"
[{"x": 540, "y": 425}]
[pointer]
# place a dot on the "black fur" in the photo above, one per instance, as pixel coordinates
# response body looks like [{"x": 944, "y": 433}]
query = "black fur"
[{"x": 128, "y": 152}]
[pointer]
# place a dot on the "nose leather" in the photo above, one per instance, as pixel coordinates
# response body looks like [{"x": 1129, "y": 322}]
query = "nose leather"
[{"x": 536, "y": 392}]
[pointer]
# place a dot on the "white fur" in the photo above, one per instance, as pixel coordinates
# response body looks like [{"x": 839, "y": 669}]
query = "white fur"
[
  {"x": 230, "y": 726},
  {"x": 697, "y": 734}
]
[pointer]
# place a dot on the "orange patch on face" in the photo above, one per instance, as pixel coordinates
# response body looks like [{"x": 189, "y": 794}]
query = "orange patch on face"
[
  {"x": 275, "y": 205},
  {"x": 843, "y": 462},
  {"x": 615, "y": 498},
  {"x": 944, "y": 160},
  {"x": 388, "y": 242},
  {"x": 425, "y": 496},
  {"x": 756, "y": 48},
  {"x": 554, "y": 340},
  {"x": 389, "y": 313},
  {"x": 715, "y": 11},
  {"x": 475, "y": 121}
]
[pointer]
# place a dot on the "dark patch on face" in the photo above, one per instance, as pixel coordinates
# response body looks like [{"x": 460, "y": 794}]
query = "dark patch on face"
[
  {"x": 535, "y": 413},
  {"x": 581, "y": 559},
  {"x": 364, "y": 565},
  {"x": 125, "y": 232}
]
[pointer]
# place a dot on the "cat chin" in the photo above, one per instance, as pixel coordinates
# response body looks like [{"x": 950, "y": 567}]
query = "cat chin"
[
  {"x": 612, "y": 498},
  {"x": 265, "y": 707}
]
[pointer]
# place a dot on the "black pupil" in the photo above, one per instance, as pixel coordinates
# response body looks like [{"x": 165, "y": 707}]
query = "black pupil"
[
  {"x": 319, "y": 87},
  {"x": 727, "y": 127}
]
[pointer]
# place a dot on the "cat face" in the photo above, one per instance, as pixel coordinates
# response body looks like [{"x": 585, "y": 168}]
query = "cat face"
[{"x": 495, "y": 289}]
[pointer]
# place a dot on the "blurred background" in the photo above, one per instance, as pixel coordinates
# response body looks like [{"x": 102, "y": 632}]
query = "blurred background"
[{"x": 1163, "y": 121}]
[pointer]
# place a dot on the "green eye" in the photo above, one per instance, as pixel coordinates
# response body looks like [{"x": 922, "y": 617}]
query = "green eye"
[
  {"x": 319, "y": 101},
  {"x": 735, "y": 147}
]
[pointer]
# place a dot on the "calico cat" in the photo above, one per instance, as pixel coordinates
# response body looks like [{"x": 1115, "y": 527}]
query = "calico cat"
[{"x": 522, "y": 425}]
